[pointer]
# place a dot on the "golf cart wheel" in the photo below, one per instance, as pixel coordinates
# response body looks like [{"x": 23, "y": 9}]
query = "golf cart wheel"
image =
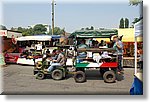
[
  {"x": 79, "y": 77},
  {"x": 109, "y": 76},
  {"x": 57, "y": 74},
  {"x": 40, "y": 75}
]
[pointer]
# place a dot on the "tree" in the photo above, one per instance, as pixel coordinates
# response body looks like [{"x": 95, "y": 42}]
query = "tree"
[
  {"x": 27, "y": 32},
  {"x": 12, "y": 28},
  {"x": 126, "y": 23},
  {"x": 87, "y": 28},
  {"x": 82, "y": 28},
  {"x": 20, "y": 29},
  {"x": 2, "y": 27},
  {"x": 121, "y": 23},
  {"x": 135, "y": 2},
  {"x": 57, "y": 31},
  {"x": 92, "y": 28},
  {"x": 136, "y": 20},
  {"x": 39, "y": 29}
]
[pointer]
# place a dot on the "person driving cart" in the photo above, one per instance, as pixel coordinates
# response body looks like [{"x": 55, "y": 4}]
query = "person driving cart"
[{"x": 60, "y": 61}]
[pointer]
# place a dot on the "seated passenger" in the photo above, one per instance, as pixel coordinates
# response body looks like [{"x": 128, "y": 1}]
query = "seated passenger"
[
  {"x": 50, "y": 56},
  {"x": 103, "y": 44},
  {"x": 90, "y": 42},
  {"x": 82, "y": 45}
]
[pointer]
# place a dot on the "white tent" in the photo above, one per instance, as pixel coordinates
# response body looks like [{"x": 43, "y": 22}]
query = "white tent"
[
  {"x": 138, "y": 31},
  {"x": 37, "y": 37},
  {"x": 137, "y": 86}
]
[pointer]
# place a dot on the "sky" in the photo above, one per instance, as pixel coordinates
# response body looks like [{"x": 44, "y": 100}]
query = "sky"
[{"x": 69, "y": 15}]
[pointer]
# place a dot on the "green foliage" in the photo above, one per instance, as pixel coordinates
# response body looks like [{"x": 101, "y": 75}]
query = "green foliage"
[
  {"x": 25, "y": 31},
  {"x": 121, "y": 23},
  {"x": 126, "y": 23},
  {"x": 136, "y": 20},
  {"x": 2, "y": 27},
  {"x": 57, "y": 31},
  {"x": 82, "y": 28},
  {"x": 39, "y": 29},
  {"x": 87, "y": 28},
  {"x": 92, "y": 28},
  {"x": 135, "y": 2}
]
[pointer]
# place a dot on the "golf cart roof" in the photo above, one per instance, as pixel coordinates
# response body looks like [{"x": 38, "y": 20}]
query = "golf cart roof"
[{"x": 99, "y": 33}]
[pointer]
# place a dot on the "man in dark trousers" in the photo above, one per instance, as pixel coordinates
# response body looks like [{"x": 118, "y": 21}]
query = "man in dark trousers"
[{"x": 118, "y": 45}]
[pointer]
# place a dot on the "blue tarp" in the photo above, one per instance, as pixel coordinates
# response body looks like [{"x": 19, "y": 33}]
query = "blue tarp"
[
  {"x": 56, "y": 36},
  {"x": 53, "y": 36},
  {"x": 137, "y": 87}
]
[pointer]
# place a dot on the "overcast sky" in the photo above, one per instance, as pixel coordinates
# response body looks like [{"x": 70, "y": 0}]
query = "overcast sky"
[{"x": 69, "y": 15}]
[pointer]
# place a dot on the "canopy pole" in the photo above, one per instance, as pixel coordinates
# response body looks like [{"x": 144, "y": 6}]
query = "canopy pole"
[{"x": 135, "y": 54}]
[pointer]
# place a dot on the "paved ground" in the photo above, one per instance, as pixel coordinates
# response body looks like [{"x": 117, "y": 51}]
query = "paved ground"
[{"x": 19, "y": 79}]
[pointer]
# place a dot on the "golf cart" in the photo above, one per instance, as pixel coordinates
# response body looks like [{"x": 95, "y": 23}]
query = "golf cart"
[
  {"x": 40, "y": 69},
  {"x": 104, "y": 58}
]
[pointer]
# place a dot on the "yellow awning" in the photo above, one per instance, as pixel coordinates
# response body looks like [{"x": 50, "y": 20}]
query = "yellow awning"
[{"x": 128, "y": 35}]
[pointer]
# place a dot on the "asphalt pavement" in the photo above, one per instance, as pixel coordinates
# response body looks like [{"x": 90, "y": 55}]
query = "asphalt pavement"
[{"x": 19, "y": 79}]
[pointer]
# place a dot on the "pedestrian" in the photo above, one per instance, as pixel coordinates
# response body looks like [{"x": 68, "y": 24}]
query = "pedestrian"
[{"x": 118, "y": 46}]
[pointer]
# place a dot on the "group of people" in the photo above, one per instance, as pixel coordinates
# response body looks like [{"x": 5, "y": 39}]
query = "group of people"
[
  {"x": 95, "y": 44},
  {"x": 59, "y": 59},
  {"x": 117, "y": 45}
]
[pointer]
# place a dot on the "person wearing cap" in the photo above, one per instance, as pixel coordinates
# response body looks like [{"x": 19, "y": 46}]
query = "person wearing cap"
[{"x": 118, "y": 45}]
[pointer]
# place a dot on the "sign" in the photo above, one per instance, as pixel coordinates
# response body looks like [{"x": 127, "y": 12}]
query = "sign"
[
  {"x": 14, "y": 34},
  {"x": 3, "y": 32},
  {"x": 9, "y": 34}
]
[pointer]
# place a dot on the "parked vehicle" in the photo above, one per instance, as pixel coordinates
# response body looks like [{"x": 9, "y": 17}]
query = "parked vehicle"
[{"x": 102, "y": 58}]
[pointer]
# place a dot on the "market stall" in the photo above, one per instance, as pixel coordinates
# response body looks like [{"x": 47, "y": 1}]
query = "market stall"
[
  {"x": 137, "y": 86},
  {"x": 31, "y": 49}
]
